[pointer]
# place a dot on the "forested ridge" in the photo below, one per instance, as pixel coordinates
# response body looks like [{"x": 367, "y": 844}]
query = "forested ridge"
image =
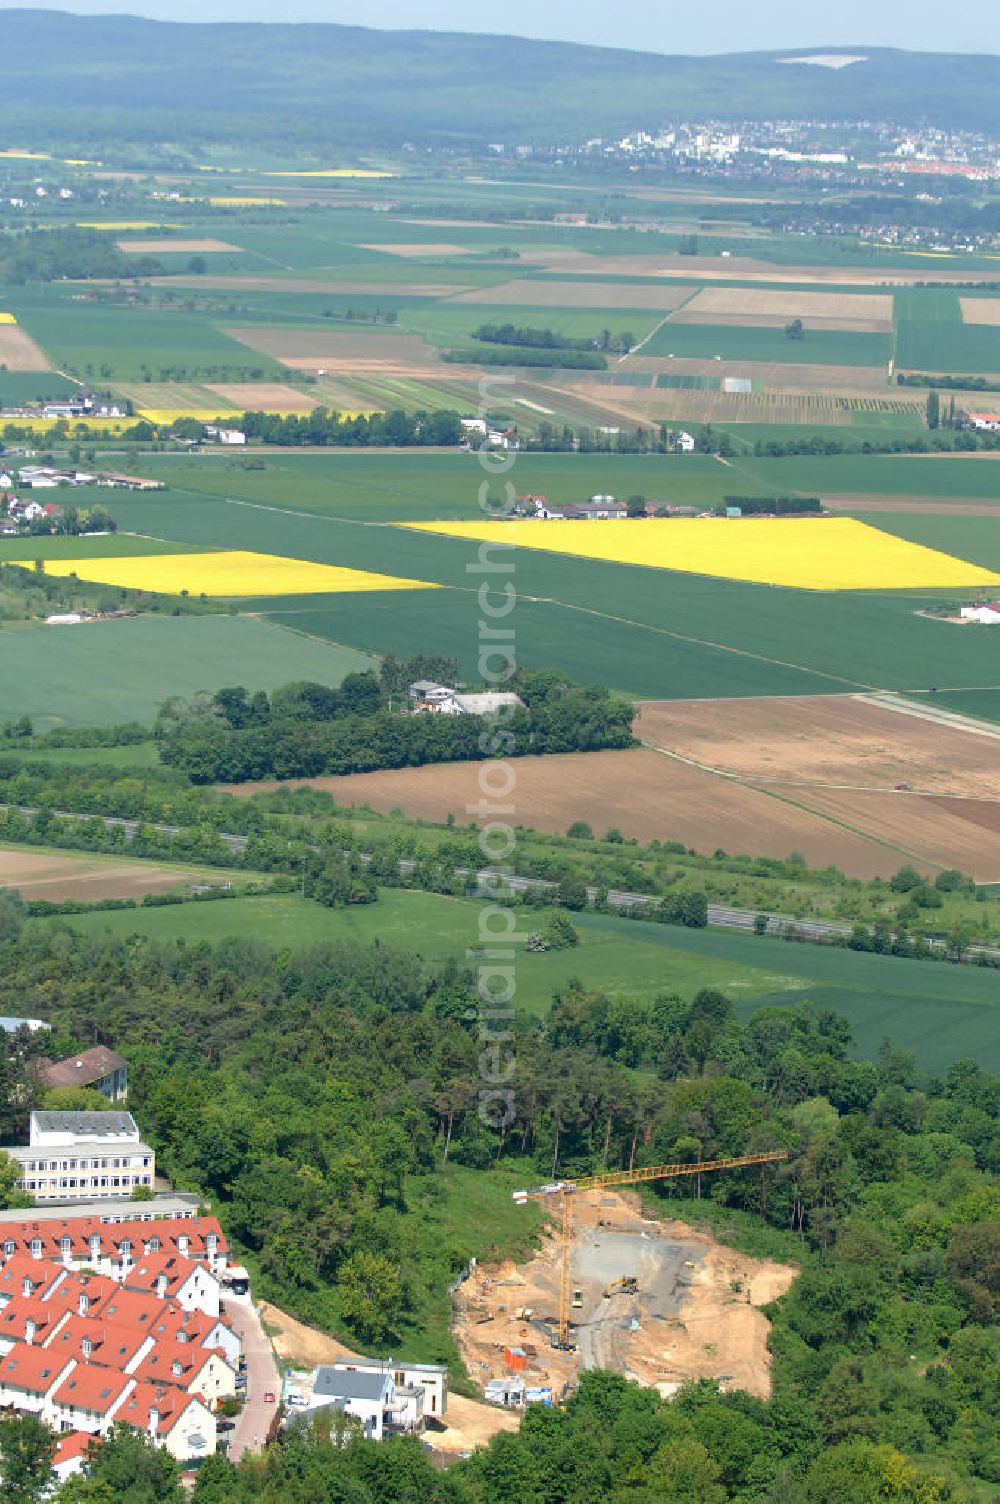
[{"x": 325, "y": 1101}]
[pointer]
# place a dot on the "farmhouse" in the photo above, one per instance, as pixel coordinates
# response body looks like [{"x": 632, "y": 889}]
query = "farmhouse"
[
  {"x": 72, "y": 1155},
  {"x": 987, "y": 422},
  {"x": 442, "y": 700},
  {"x": 99, "y": 1068},
  {"x": 988, "y": 613}
]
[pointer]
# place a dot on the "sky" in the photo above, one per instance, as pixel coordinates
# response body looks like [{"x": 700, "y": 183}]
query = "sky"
[{"x": 665, "y": 26}]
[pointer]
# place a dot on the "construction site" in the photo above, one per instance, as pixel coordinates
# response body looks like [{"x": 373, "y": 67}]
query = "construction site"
[{"x": 655, "y": 1301}]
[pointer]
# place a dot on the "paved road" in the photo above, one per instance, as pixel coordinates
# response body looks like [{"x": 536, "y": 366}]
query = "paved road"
[{"x": 254, "y": 1423}]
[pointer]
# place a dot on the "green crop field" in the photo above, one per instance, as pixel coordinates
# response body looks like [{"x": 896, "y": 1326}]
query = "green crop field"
[
  {"x": 32, "y": 386},
  {"x": 930, "y": 335},
  {"x": 124, "y": 342},
  {"x": 107, "y": 672},
  {"x": 827, "y": 347},
  {"x": 83, "y": 547},
  {"x": 941, "y": 1012},
  {"x": 974, "y": 538}
]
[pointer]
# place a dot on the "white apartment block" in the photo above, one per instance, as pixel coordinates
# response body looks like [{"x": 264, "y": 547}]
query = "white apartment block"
[{"x": 76, "y": 1156}]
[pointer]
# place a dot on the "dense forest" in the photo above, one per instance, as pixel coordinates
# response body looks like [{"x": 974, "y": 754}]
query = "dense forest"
[
  {"x": 257, "y": 1073},
  {"x": 68, "y": 251},
  {"x": 353, "y": 430}
]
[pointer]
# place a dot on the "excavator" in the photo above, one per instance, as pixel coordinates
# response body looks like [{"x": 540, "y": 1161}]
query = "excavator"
[{"x": 627, "y": 1285}]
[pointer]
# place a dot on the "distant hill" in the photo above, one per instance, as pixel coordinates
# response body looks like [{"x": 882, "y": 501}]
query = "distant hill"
[{"x": 156, "y": 80}]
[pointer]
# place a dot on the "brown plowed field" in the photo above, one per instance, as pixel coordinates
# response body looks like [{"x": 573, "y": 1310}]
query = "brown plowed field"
[
  {"x": 825, "y": 739},
  {"x": 528, "y": 294},
  {"x": 429, "y": 248},
  {"x": 720, "y": 303},
  {"x": 253, "y": 396},
  {"x": 930, "y": 829},
  {"x": 47, "y": 874},
  {"x": 641, "y": 792},
  {"x": 154, "y": 247},
  {"x": 18, "y": 351},
  {"x": 851, "y": 502},
  {"x": 980, "y": 310}
]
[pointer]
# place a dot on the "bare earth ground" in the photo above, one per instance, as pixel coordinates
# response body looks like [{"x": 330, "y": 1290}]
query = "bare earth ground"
[
  {"x": 719, "y": 303},
  {"x": 154, "y": 247},
  {"x": 418, "y": 251},
  {"x": 640, "y": 792},
  {"x": 528, "y": 294},
  {"x": 252, "y": 396},
  {"x": 467, "y": 1424},
  {"x": 980, "y": 310},
  {"x": 18, "y": 351},
  {"x": 946, "y": 832},
  {"x": 697, "y": 1307},
  {"x": 38, "y": 874},
  {"x": 835, "y": 739}
]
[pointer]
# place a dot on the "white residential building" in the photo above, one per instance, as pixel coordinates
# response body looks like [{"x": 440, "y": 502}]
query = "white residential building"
[
  {"x": 367, "y": 1396},
  {"x": 74, "y": 1156}
]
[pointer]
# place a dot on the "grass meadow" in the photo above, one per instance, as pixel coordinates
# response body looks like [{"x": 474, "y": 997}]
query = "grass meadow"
[{"x": 941, "y": 1012}]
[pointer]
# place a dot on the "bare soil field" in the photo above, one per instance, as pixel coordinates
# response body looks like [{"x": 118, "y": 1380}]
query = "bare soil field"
[
  {"x": 18, "y": 351},
  {"x": 467, "y": 1423},
  {"x": 834, "y": 739},
  {"x": 848, "y": 310},
  {"x": 274, "y": 396},
  {"x": 419, "y": 251},
  {"x": 529, "y": 294},
  {"x": 154, "y": 247},
  {"x": 980, "y": 310},
  {"x": 51, "y": 875},
  {"x": 697, "y": 1309},
  {"x": 641, "y": 792},
  {"x": 930, "y": 829}
]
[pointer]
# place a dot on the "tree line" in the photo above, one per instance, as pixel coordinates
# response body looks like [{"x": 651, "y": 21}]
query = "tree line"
[{"x": 357, "y": 729}]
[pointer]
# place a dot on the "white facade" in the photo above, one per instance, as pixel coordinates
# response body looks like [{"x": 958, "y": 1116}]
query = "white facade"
[
  {"x": 72, "y": 1156},
  {"x": 989, "y": 615}
]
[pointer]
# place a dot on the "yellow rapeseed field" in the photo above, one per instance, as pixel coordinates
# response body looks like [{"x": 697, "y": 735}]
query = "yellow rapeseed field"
[
  {"x": 119, "y": 224},
  {"x": 329, "y": 172},
  {"x": 228, "y": 200},
  {"x": 803, "y": 553},
  {"x": 45, "y": 425},
  {"x": 226, "y": 574},
  {"x": 7, "y": 318}
]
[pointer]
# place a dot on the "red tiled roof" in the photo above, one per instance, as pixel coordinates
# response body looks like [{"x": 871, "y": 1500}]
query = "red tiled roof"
[
  {"x": 70, "y": 1445},
  {"x": 111, "y": 1344},
  {"x": 22, "y": 1309},
  {"x": 166, "y": 1231},
  {"x": 130, "y": 1308},
  {"x": 20, "y": 1267},
  {"x": 158, "y": 1365},
  {"x": 33, "y": 1369},
  {"x": 167, "y": 1400},
  {"x": 96, "y": 1287},
  {"x": 92, "y": 1387}
]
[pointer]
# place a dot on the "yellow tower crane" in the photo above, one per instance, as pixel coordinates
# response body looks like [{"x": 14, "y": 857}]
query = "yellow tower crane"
[{"x": 565, "y": 1190}]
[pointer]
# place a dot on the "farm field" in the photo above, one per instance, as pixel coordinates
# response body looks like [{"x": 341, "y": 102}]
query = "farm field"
[
  {"x": 942, "y": 1013},
  {"x": 43, "y": 874},
  {"x": 932, "y": 336},
  {"x": 814, "y": 553},
  {"x": 18, "y": 351},
  {"x": 826, "y": 740},
  {"x": 828, "y": 347},
  {"x": 233, "y": 573},
  {"x": 66, "y": 680},
  {"x": 939, "y": 831},
  {"x": 639, "y": 792}
]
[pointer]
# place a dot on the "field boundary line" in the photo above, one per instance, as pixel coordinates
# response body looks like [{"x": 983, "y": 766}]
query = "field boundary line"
[
  {"x": 853, "y": 830},
  {"x": 953, "y": 718}
]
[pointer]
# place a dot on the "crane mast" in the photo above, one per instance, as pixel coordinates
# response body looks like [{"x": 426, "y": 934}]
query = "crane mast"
[{"x": 564, "y": 1191}]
